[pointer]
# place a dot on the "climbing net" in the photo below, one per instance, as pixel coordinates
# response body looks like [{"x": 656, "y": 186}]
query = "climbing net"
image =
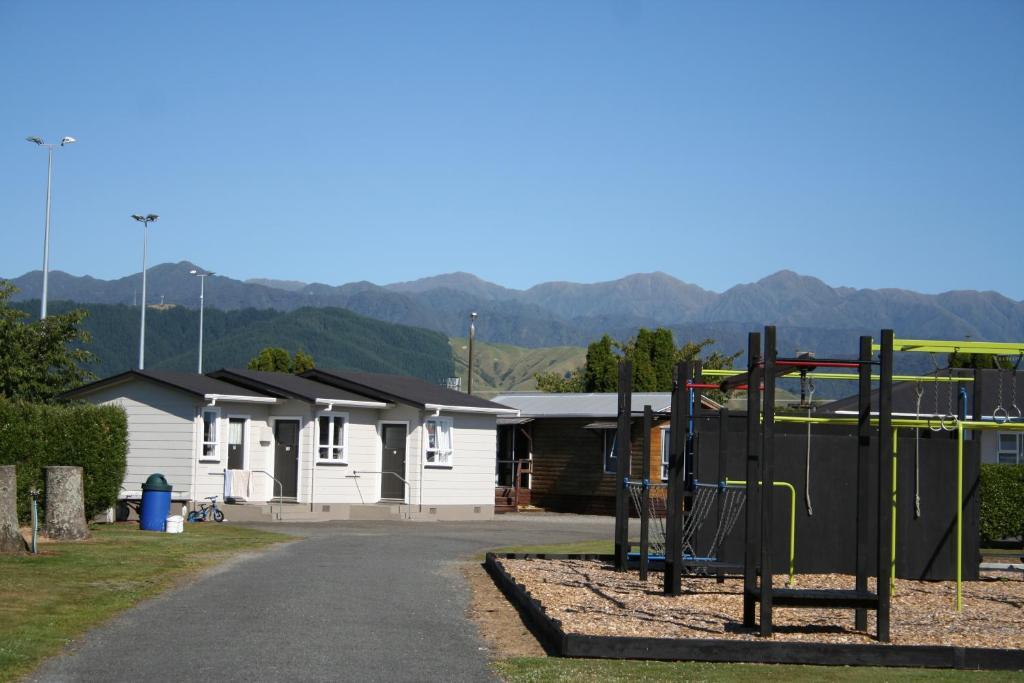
[{"x": 729, "y": 499}]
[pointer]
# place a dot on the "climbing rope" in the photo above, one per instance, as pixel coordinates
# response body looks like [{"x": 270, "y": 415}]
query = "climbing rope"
[
  {"x": 807, "y": 456},
  {"x": 919, "y": 392}
]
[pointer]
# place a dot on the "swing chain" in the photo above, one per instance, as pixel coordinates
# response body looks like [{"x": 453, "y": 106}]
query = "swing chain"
[
  {"x": 1013, "y": 389},
  {"x": 919, "y": 393},
  {"x": 935, "y": 416},
  {"x": 999, "y": 414}
]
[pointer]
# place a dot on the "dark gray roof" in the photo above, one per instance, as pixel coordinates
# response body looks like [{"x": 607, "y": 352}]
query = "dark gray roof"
[
  {"x": 542, "y": 404},
  {"x": 286, "y": 385},
  {"x": 401, "y": 389},
  {"x": 190, "y": 382},
  {"x": 904, "y": 394}
]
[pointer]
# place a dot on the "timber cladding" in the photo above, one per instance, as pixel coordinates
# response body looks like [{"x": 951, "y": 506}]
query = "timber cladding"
[
  {"x": 568, "y": 465},
  {"x": 766, "y": 651}
]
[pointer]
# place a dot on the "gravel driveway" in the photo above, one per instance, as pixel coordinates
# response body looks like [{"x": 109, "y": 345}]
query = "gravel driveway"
[{"x": 367, "y": 601}]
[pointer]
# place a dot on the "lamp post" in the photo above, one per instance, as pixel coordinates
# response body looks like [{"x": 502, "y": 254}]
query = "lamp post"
[
  {"x": 145, "y": 220},
  {"x": 472, "y": 336},
  {"x": 66, "y": 140},
  {"x": 202, "y": 275}
]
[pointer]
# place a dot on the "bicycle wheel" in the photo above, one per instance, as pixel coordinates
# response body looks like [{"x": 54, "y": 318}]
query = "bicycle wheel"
[
  {"x": 218, "y": 516},
  {"x": 194, "y": 517}
]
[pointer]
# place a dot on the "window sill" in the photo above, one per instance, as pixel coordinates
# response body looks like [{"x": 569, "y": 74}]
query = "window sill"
[
  {"x": 434, "y": 466},
  {"x": 210, "y": 461},
  {"x": 331, "y": 463}
]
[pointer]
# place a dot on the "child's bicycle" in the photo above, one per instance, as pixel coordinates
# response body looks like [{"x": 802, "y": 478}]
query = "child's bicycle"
[{"x": 207, "y": 512}]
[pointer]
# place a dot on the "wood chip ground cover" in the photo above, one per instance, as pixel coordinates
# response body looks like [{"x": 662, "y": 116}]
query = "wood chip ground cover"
[{"x": 589, "y": 598}]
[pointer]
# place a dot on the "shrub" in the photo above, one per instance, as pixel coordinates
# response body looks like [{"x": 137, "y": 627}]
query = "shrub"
[
  {"x": 1002, "y": 501},
  {"x": 34, "y": 436}
]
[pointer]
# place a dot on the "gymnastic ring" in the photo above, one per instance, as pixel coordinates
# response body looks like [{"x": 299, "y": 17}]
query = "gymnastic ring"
[
  {"x": 954, "y": 421},
  {"x": 1000, "y": 411},
  {"x": 932, "y": 418},
  {"x": 1016, "y": 408}
]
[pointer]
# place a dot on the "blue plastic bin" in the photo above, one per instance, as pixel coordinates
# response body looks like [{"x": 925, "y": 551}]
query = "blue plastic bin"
[{"x": 156, "y": 503}]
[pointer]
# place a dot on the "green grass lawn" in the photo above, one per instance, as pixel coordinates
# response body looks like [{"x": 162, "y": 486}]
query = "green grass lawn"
[
  {"x": 543, "y": 669},
  {"x": 48, "y": 599}
]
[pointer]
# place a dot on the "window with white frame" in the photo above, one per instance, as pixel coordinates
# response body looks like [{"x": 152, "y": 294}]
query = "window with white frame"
[
  {"x": 439, "y": 441},
  {"x": 332, "y": 437},
  {"x": 1011, "y": 448},
  {"x": 210, "y": 449},
  {"x": 611, "y": 463},
  {"x": 665, "y": 434}
]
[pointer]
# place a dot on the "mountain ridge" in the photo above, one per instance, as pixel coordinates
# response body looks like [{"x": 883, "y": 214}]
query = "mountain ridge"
[{"x": 573, "y": 314}]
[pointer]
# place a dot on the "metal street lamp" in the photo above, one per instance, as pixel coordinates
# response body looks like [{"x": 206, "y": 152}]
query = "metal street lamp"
[
  {"x": 66, "y": 140},
  {"x": 202, "y": 275},
  {"x": 472, "y": 336},
  {"x": 145, "y": 220}
]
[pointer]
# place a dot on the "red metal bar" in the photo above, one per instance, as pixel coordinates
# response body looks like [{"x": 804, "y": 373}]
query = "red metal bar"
[
  {"x": 693, "y": 385},
  {"x": 816, "y": 364}
]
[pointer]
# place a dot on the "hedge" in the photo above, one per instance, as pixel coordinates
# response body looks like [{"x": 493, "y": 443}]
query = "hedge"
[
  {"x": 1002, "y": 502},
  {"x": 95, "y": 438}
]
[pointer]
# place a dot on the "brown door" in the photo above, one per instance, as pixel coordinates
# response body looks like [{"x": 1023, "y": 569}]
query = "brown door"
[
  {"x": 236, "y": 443},
  {"x": 286, "y": 457},
  {"x": 393, "y": 462}
]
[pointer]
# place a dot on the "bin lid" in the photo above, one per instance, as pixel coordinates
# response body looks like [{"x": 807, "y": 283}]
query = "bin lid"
[{"x": 156, "y": 482}]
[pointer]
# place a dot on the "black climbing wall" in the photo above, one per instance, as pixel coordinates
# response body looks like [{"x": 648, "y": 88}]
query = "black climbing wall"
[{"x": 826, "y": 540}]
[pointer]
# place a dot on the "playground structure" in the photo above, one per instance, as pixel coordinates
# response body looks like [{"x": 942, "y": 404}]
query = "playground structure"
[{"x": 873, "y": 428}]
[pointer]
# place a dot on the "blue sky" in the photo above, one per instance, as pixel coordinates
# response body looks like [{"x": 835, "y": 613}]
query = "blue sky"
[{"x": 871, "y": 144}]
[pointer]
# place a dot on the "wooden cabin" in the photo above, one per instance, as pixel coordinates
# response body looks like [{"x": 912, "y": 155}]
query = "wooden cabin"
[{"x": 557, "y": 454}]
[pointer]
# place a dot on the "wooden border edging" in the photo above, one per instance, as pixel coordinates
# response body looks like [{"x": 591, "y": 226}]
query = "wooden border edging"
[{"x": 735, "y": 651}]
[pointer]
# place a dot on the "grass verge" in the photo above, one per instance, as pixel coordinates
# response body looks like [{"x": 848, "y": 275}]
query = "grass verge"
[
  {"x": 544, "y": 669},
  {"x": 46, "y": 600}
]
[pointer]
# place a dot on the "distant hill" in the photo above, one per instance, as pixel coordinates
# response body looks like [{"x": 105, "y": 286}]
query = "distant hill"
[
  {"x": 502, "y": 367},
  {"x": 811, "y": 315},
  {"x": 286, "y": 285},
  {"x": 336, "y": 338}
]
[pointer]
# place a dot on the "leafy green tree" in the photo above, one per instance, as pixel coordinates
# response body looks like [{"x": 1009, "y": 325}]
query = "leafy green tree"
[
  {"x": 271, "y": 359},
  {"x": 42, "y": 358},
  {"x": 601, "y": 372},
  {"x": 558, "y": 383},
  {"x": 302, "y": 362},
  {"x": 276, "y": 359},
  {"x": 983, "y": 361},
  {"x": 653, "y": 353}
]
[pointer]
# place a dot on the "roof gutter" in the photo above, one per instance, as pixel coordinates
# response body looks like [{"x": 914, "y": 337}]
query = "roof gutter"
[
  {"x": 348, "y": 403},
  {"x": 436, "y": 407},
  {"x": 213, "y": 398}
]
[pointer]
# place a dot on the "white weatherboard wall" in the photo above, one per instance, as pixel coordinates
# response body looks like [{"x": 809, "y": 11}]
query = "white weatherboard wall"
[
  {"x": 335, "y": 482},
  {"x": 210, "y": 471},
  {"x": 470, "y": 479},
  {"x": 161, "y": 433},
  {"x": 165, "y": 435}
]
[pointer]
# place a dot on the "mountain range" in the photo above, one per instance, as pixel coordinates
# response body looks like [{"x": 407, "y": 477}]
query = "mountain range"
[
  {"x": 810, "y": 314},
  {"x": 334, "y": 337}
]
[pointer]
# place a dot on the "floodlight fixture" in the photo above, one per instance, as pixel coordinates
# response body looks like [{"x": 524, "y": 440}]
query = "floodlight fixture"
[{"x": 35, "y": 139}]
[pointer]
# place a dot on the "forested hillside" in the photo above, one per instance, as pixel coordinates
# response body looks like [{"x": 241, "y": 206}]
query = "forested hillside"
[{"x": 336, "y": 338}]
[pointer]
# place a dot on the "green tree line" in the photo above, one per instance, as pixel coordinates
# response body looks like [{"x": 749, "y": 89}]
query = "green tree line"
[{"x": 653, "y": 353}]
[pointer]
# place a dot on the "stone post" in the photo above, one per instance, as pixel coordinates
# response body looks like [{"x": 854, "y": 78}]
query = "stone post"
[
  {"x": 65, "y": 504},
  {"x": 10, "y": 536}
]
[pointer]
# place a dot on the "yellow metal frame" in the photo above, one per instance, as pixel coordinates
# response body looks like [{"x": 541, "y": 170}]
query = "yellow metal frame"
[
  {"x": 939, "y": 346},
  {"x": 848, "y": 376},
  {"x": 900, "y": 345},
  {"x": 792, "y": 520}
]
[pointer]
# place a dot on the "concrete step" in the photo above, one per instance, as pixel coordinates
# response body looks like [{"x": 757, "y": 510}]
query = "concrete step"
[
  {"x": 321, "y": 512},
  {"x": 377, "y": 511}
]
